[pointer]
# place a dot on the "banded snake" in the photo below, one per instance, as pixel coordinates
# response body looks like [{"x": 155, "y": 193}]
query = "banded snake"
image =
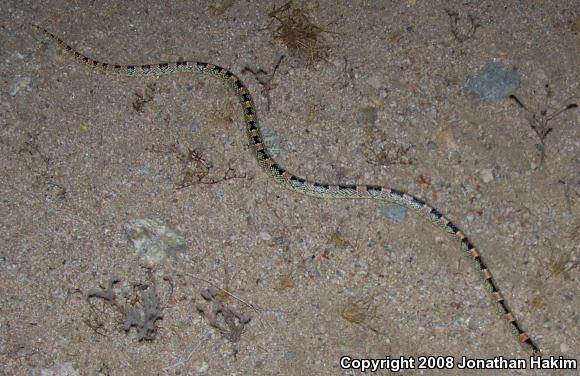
[{"x": 311, "y": 188}]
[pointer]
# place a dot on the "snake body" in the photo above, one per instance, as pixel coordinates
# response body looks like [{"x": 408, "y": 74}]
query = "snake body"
[{"x": 312, "y": 188}]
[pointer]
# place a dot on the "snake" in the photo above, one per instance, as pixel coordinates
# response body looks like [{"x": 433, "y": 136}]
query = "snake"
[{"x": 294, "y": 183}]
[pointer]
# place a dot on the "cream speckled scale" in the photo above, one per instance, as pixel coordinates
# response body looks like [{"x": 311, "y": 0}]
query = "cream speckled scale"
[{"x": 294, "y": 183}]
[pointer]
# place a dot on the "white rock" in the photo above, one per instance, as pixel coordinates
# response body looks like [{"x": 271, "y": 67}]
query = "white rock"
[
  {"x": 202, "y": 367},
  {"x": 486, "y": 175}
]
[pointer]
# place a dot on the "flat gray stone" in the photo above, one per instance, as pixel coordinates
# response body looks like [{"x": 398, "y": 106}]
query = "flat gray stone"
[
  {"x": 154, "y": 239},
  {"x": 493, "y": 82}
]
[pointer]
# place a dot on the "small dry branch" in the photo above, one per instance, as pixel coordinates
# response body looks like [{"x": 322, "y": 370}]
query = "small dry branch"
[{"x": 539, "y": 122}]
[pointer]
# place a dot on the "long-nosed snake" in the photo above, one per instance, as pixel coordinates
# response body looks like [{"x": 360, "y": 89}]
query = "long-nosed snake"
[{"x": 297, "y": 184}]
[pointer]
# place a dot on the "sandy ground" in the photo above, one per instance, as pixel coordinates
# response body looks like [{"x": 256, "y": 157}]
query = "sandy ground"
[{"x": 83, "y": 154}]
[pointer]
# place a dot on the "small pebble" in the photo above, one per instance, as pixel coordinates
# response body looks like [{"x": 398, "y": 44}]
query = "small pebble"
[
  {"x": 264, "y": 236},
  {"x": 273, "y": 141},
  {"x": 525, "y": 216},
  {"x": 394, "y": 212},
  {"x": 564, "y": 347},
  {"x": 375, "y": 82},
  {"x": 290, "y": 355},
  {"x": 486, "y": 175},
  {"x": 202, "y": 367},
  {"x": 143, "y": 171},
  {"x": 444, "y": 137},
  {"x": 367, "y": 116},
  {"x": 431, "y": 145},
  {"x": 194, "y": 127},
  {"x": 20, "y": 83},
  {"x": 62, "y": 369}
]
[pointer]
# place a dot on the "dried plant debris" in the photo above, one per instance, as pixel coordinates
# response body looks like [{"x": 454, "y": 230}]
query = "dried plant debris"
[
  {"x": 265, "y": 79},
  {"x": 141, "y": 99},
  {"x": 46, "y": 177},
  {"x": 297, "y": 31},
  {"x": 575, "y": 236},
  {"x": 358, "y": 311},
  {"x": 195, "y": 168},
  {"x": 538, "y": 302},
  {"x": 463, "y": 27},
  {"x": 224, "y": 317},
  {"x": 571, "y": 190},
  {"x": 142, "y": 314},
  {"x": 285, "y": 281},
  {"x": 144, "y": 318},
  {"x": 348, "y": 75},
  {"x": 388, "y": 155},
  {"x": 539, "y": 122},
  {"x": 563, "y": 264},
  {"x": 221, "y": 118},
  {"x": 575, "y": 25},
  {"x": 32, "y": 147},
  {"x": 381, "y": 153},
  {"x": 338, "y": 239},
  {"x": 219, "y": 7}
]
